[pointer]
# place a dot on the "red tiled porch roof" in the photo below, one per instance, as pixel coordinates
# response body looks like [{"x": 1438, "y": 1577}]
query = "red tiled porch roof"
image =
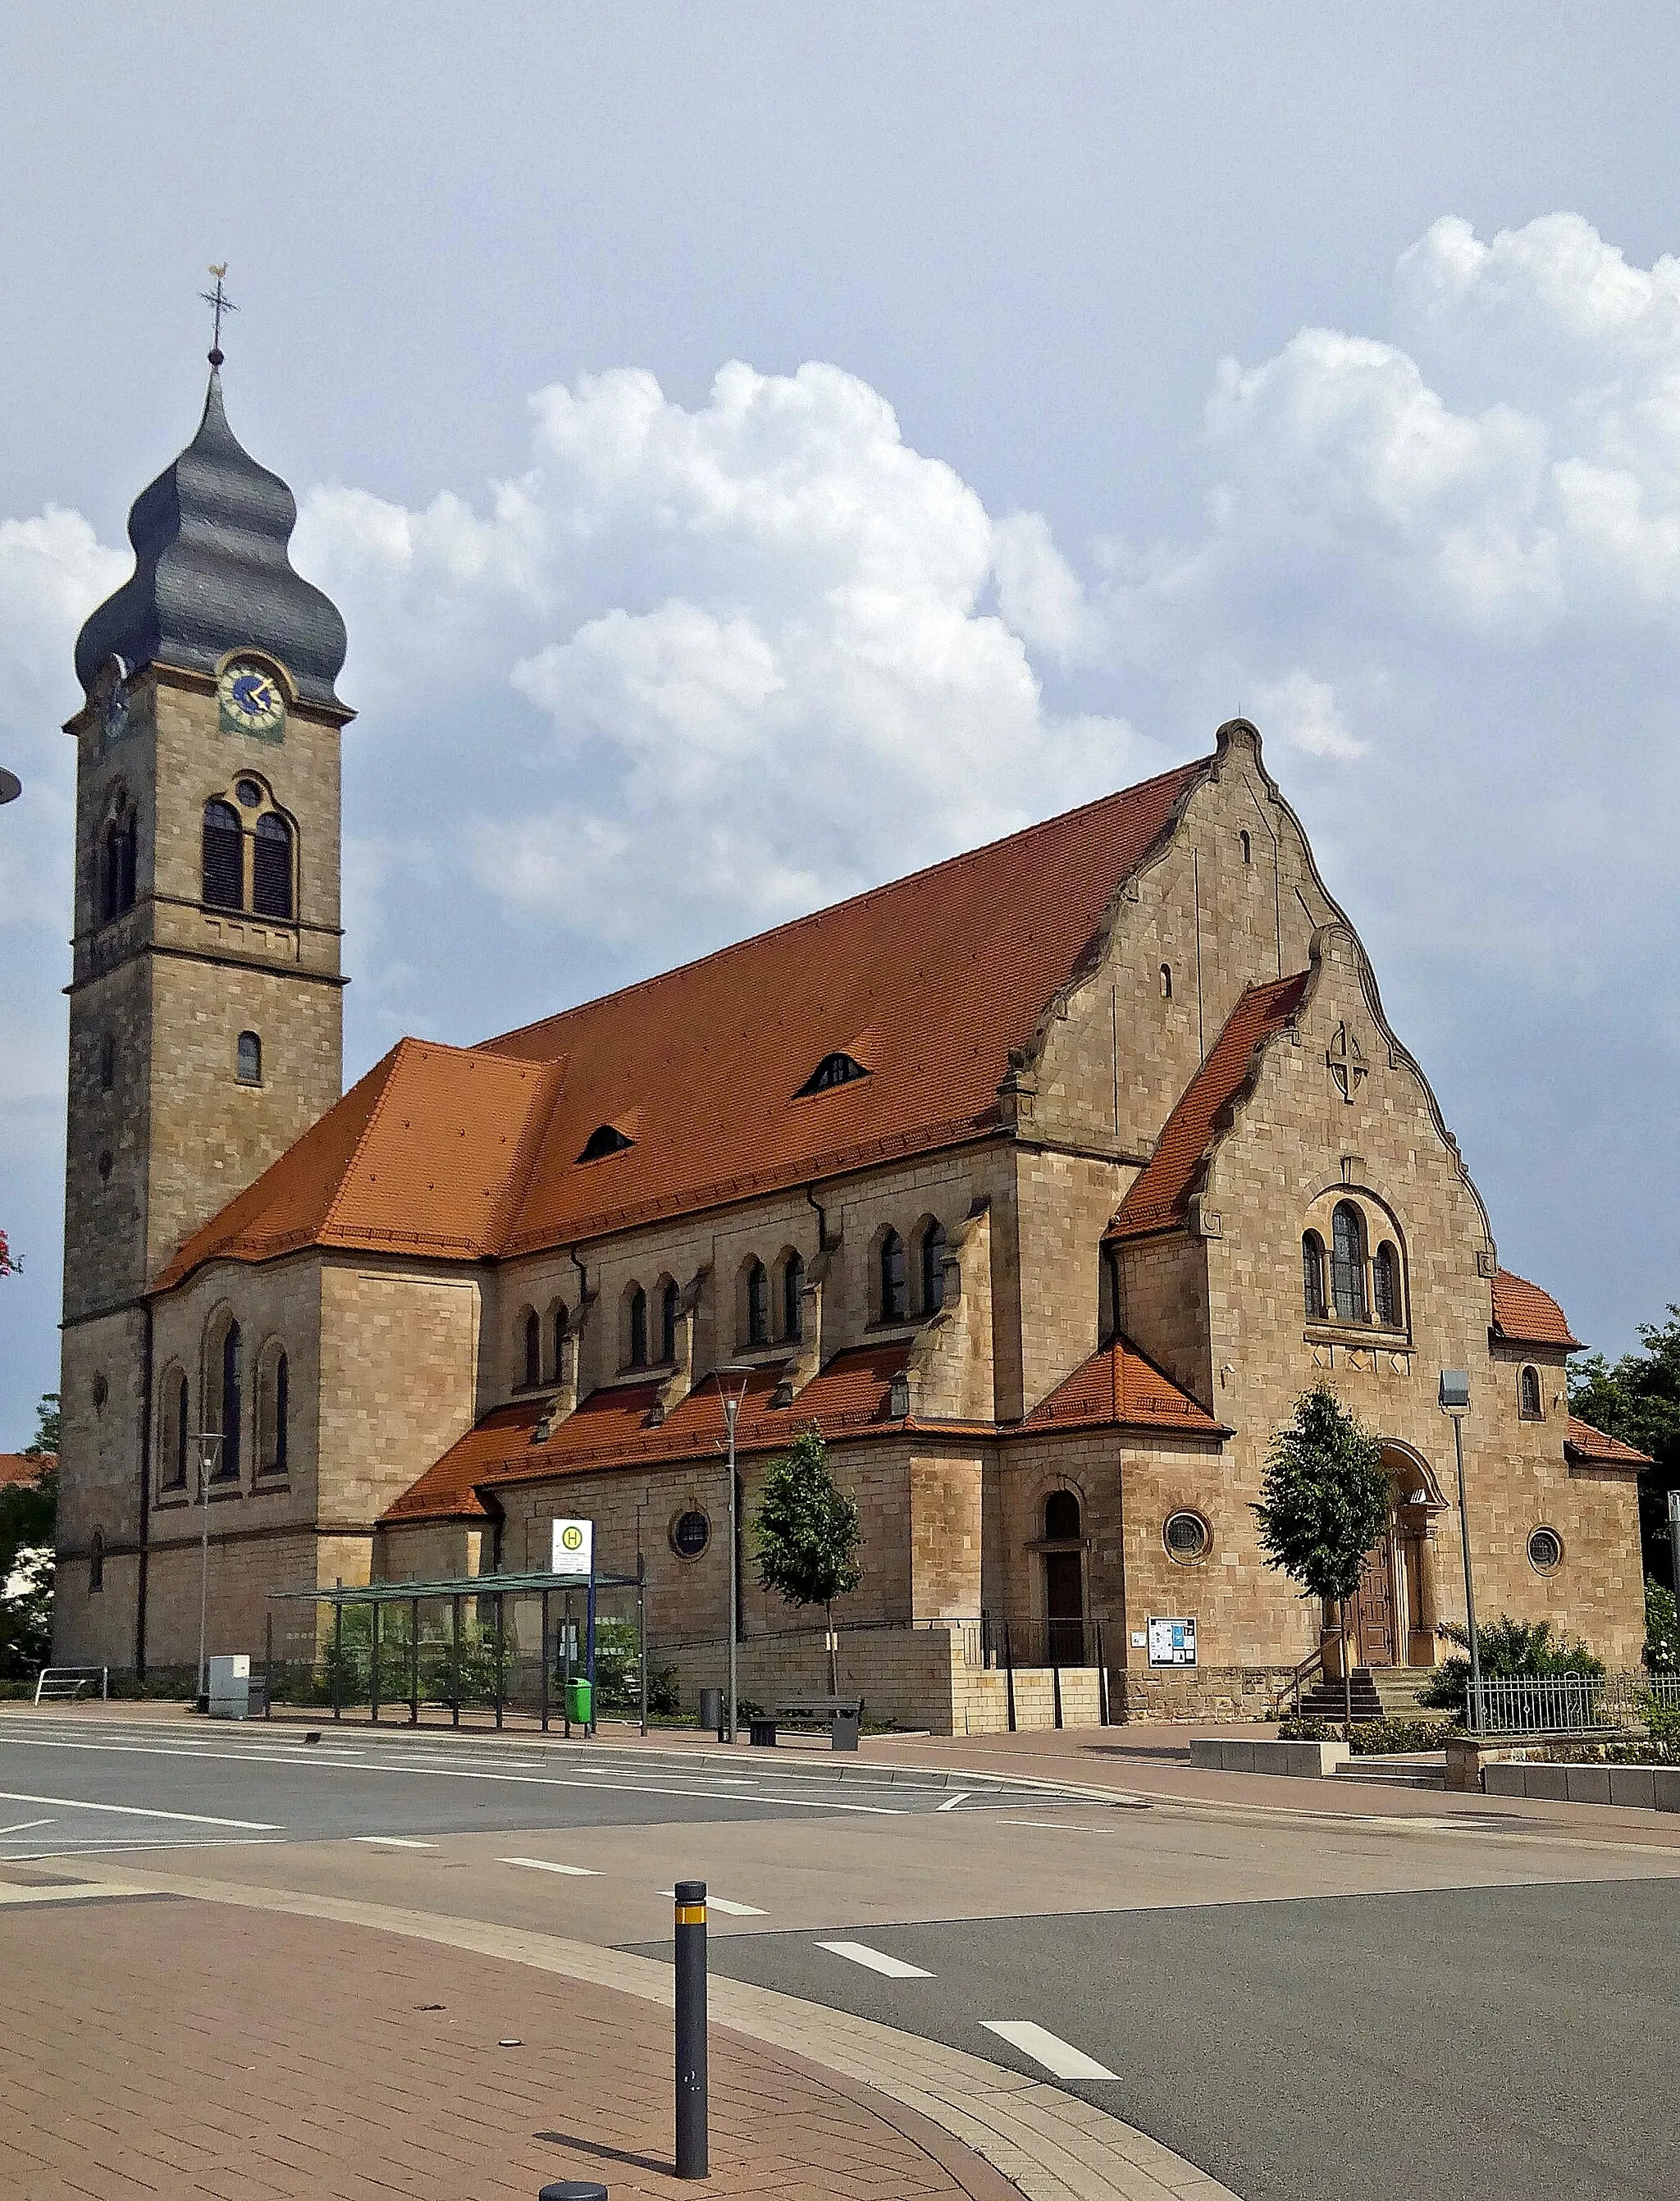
[
  {"x": 1118, "y": 1385},
  {"x": 1583, "y": 1441},
  {"x": 1524, "y": 1314}
]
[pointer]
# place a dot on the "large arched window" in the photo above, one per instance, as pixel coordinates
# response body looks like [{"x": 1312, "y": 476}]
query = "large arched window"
[
  {"x": 231, "y": 1374},
  {"x": 1385, "y": 1286},
  {"x": 670, "y": 1314},
  {"x": 793, "y": 1290},
  {"x": 272, "y": 1412},
  {"x": 758, "y": 1303},
  {"x": 637, "y": 1316},
  {"x": 533, "y": 1348},
  {"x": 223, "y": 857},
  {"x": 892, "y": 1278},
  {"x": 1346, "y": 1263},
  {"x": 271, "y": 866},
  {"x": 1061, "y": 1517},
  {"x": 116, "y": 862},
  {"x": 933, "y": 1268},
  {"x": 1528, "y": 1395},
  {"x": 1312, "y": 1275}
]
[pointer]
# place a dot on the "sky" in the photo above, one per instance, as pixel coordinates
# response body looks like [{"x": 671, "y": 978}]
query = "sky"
[{"x": 760, "y": 450}]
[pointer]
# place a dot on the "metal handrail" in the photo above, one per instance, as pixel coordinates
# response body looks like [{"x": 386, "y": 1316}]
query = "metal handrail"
[{"x": 1313, "y": 1662}]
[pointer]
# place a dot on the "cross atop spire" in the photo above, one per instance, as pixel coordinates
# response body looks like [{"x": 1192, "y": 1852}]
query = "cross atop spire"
[{"x": 220, "y": 303}]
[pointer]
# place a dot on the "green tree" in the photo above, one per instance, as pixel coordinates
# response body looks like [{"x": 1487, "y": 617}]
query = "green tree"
[
  {"x": 28, "y": 1516},
  {"x": 1506, "y": 1649},
  {"x": 805, "y": 1533},
  {"x": 1324, "y": 1503},
  {"x": 1638, "y": 1400},
  {"x": 1662, "y": 1627},
  {"x": 48, "y": 1426}
]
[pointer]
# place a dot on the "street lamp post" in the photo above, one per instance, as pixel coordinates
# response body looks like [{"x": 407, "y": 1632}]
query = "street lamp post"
[
  {"x": 209, "y": 1447},
  {"x": 731, "y": 1407},
  {"x": 1455, "y": 1402}
]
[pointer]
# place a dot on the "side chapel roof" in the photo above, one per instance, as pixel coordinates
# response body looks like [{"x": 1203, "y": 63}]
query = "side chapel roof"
[
  {"x": 1583, "y": 1441},
  {"x": 926, "y": 983},
  {"x": 1525, "y": 1315}
]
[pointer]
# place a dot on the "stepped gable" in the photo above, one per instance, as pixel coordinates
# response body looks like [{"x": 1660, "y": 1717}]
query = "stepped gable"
[
  {"x": 1582, "y": 1442},
  {"x": 211, "y": 571},
  {"x": 615, "y": 1428},
  {"x": 1120, "y": 1385},
  {"x": 1158, "y": 1197},
  {"x": 694, "y": 1080},
  {"x": 1525, "y": 1315}
]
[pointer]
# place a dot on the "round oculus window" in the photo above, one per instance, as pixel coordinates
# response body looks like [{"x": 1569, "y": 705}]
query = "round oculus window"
[
  {"x": 690, "y": 1532},
  {"x": 1545, "y": 1550},
  {"x": 249, "y": 794},
  {"x": 1187, "y": 1536}
]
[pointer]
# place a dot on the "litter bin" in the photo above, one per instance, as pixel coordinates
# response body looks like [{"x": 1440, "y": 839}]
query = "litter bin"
[
  {"x": 579, "y": 1702},
  {"x": 711, "y": 1712}
]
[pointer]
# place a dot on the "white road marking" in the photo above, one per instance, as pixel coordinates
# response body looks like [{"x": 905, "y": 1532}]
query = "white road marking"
[
  {"x": 1059, "y": 2058},
  {"x": 519, "y": 1780},
  {"x": 951, "y": 1802},
  {"x": 23, "y": 1826},
  {"x": 722, "y": 1903},
  {"x": 545, "y": 1865},
  {"x": 875, "y": 1960},
  {"x": 134, "y": 1811},
  {"x": 393, "y": 1842}
]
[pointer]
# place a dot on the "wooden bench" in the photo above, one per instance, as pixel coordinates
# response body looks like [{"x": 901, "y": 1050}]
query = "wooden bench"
[{"x": 842, "y": 1716}]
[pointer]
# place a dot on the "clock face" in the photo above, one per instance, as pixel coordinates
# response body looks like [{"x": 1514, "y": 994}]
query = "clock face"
[{"x": 251, "y": 702}]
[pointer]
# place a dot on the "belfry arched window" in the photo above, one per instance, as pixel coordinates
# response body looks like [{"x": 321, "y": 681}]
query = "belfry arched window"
[
  {"x": 1528, "y": 1395},
  {"x": 1312, "y": 1275},
  {"x": 1385, "y": 1286},
  {"x": 670, "y": 1315},
  {"x": 533, "y": 1349},
  {"x": 893, "y": 1293},
  {"x": 1346, "y": 1263},
  {"x": 793, "y": 1289},
  {"x": 224, "y": 864},
  {"x": 561, "y": 1319},
  {"x": 271, "y": 867},
  {"x": 758, "y": 1305},
  {"x": 116, "y": 862}
]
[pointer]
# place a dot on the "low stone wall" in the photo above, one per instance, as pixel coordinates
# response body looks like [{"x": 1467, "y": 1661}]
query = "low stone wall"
[
  {"x": 1643, "y": 1788},
  {"x": 1308, "y": 1760},
  {"x": 1215, "y": 1693}
]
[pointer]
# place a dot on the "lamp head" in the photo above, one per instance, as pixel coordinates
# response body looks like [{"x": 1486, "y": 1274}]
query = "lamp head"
[{"x": 1454, "y": 1391}]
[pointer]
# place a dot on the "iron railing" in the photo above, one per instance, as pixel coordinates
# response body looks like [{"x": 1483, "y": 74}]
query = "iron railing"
[{"x": 1537, "y": 1704}]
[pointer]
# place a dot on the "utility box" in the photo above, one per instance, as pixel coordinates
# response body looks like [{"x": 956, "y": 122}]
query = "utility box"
[{"x": 231, "y": 1686}]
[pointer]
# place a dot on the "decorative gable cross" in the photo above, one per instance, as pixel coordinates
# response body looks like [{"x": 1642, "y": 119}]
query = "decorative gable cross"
[{"x": 1347, "y": 1062}]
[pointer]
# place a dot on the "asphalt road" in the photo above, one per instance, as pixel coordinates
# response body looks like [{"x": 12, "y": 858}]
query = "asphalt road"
[
  {"x": 81, "y": 1787},
  {"x": 1492, "y": 2044}
]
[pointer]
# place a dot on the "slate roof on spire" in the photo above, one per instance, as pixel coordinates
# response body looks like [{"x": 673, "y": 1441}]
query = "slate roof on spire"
[{"x": 211, "y": 573}]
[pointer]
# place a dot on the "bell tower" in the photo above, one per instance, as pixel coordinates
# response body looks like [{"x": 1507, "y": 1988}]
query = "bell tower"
[{"x": 206, "y": 996}]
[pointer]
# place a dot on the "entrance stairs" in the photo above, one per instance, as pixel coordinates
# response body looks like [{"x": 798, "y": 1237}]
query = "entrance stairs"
[{"x": 1379, "y": 1693}]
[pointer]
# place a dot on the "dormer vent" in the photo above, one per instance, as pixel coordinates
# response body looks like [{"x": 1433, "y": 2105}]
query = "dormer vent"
[
  {"x": 605, "y": 1139},
  {"x": 833, "y": 1070}
]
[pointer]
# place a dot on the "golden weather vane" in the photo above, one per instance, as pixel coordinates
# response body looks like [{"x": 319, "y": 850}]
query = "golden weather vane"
[{"x": 220, "y": 303}]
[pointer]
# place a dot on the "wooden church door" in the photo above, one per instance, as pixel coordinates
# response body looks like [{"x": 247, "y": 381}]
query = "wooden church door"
[{"x": 1371, "y": 1609}]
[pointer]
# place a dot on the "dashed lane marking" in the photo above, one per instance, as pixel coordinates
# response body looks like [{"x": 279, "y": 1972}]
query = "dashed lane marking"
[
  {"x": 23, "y": 1826},
  {"x": 136, "y": 1811},
  {"x": 951, "y": 1802},
  {"x": 875, "y": 1960},
  {"x": 393, "y": 1842},
  {"x": 547, "y": 1864},
  {"x": 1059, "y": 2058},
  {"x": 722, "y": 1903}
]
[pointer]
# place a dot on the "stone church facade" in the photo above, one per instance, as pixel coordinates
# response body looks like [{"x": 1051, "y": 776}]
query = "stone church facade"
[{"x": 1043, "y": 1183}]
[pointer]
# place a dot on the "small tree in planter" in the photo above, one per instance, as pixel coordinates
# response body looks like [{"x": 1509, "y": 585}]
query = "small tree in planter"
[
  {"x": 805, "y": 1533},
  {"x": 1324, "y": 1503}
]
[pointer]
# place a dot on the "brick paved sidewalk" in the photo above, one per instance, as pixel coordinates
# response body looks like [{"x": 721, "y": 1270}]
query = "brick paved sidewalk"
[{"x": 170, "y": 2047}]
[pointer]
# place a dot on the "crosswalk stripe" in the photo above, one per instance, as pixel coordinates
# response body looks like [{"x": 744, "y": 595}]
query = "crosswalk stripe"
[
  {"x": 1059, "y": 2058},
  {"x": 547, "y": 1864},
  {"x": 393, "y": 1842},
  {"x": 875, "y": 1960}
]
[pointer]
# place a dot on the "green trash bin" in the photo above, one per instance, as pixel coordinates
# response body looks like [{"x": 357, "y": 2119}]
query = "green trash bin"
[{"x": 579, "y": 1702}]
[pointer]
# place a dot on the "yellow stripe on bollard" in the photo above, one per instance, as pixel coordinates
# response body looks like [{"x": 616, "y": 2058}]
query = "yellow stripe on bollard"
[{"x": 690, "y": 1914}]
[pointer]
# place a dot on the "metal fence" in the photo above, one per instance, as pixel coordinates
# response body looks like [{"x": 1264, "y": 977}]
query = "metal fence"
[{"x": 1539, "y": 1704}]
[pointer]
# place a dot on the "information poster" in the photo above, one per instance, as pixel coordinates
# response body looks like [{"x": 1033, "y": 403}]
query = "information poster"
[{"x": 1173, "y": 1642}]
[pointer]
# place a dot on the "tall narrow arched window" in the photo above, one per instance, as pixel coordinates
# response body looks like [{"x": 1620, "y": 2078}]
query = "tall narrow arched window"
[
  {"x": 893, "y": 1293},
  {"x": 1061, "y": 1517},
  {"x": 178, "y": 1465},
  {"x": 793, "y": 1298},
  {"x": 96, "y": 1562},
  {"x": 560, "y": 1322},
  {"x": 1346, "y": 1263},
  {"x": 1312, "y": 1275},
  {"x": 533, "y": 1349},
  {"x": 1385, "y": 1286},
  {"x": 272, "y": 1384},
  {"x": 1167, "y": 981},
  {"x": 271, "y": 867},
  {"x": 933, "y": 1268},
  {"x": 670, "y": 1314},
  {"x": 638, "y": 1327},
  {"x": 758, "y": 1305},
  {"x": 223, "y": 857},
  {"x": 116, "y": 863},
  {"x": 282, "y": 1415},
  {"x": 1248, "y": 847},
  {"x": 248, "y": 1059},
  {"x": 232, "y": 1372},
  {"x": 1528, "y": 1392}
]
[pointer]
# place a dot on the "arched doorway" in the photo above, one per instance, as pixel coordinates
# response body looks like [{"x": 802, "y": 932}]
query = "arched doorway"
[
  {"x": 1391, "y": 1616},
  {"x": 1064, "y": 1579}
]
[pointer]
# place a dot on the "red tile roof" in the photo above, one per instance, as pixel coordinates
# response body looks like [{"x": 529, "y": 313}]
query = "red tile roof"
[
  {"x": 1583, "y": 1442},
  {"x": 23, "y": 1470},
  {"x": 1118, "y": 1384},
  {"x": 928, "y": 983},
  {"x": 1524, "y": 1314},
  {"x": 1158, "y": 1197},
  {"x": 612, "y": 1429}
]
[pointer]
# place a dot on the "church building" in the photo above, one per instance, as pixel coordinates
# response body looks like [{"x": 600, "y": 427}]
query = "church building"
[{"x": 1043, "y": 1183}]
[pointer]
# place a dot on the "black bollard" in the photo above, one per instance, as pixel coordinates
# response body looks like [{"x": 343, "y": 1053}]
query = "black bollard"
[
  {"x": 691, "y": 2119},
  {"x": 573, "y": 2189}
]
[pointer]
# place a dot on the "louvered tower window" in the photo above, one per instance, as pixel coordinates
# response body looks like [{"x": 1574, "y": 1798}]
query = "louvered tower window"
[
  {"x": 223, "y": 857},
  {"x": 271, "y": 867}
]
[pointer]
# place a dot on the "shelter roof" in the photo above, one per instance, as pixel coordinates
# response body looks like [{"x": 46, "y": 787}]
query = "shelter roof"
[
  {"x": 1525, "y": 1315},
  {"x": 1158, "y": 1197},
  {"x": 927, "y": 984},
  {"x": 1583, "y": 1441}
]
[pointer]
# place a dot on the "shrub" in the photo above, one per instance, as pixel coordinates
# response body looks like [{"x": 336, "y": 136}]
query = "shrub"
[
  {"x": 1370, "y": 1738},
  {"x": 1507, "y": 1648},
  {"x": 1662, "y": 1628}
]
